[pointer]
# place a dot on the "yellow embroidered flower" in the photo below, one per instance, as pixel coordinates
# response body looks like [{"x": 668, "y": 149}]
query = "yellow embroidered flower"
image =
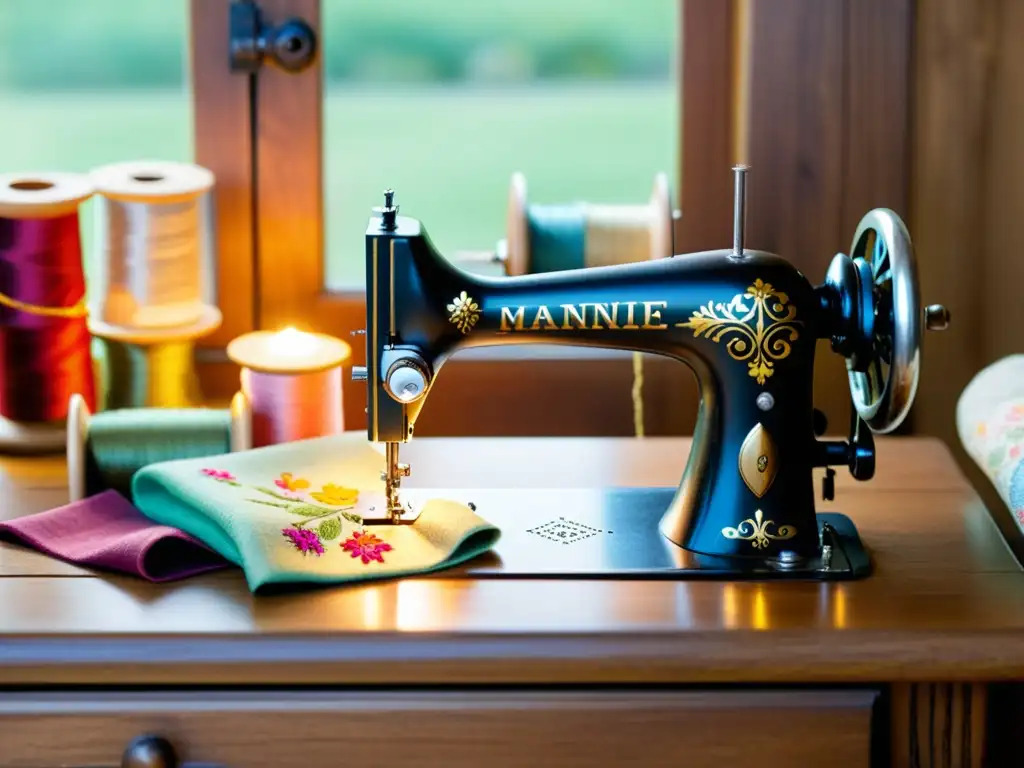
[
  {"x": 336, "y": 495},
  {"x": 288, "y": 482}
]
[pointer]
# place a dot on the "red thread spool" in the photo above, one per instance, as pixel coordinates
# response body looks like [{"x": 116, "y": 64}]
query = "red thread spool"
[{"x": 44, "y": 337}]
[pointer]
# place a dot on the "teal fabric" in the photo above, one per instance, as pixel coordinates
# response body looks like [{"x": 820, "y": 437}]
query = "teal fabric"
[{"x": 303, "y": 513}]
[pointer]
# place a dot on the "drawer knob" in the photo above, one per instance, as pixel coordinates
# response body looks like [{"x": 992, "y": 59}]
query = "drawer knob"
[{"x": 149, "y": 751}]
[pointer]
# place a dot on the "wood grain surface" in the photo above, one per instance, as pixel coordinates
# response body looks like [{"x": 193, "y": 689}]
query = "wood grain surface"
[
  {"x": 269, "y": 729},
  {"x": 946, "y": 602}
]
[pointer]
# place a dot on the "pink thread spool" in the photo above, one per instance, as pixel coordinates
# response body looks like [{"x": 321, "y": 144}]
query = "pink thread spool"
[{"x": 292, "y": 381}]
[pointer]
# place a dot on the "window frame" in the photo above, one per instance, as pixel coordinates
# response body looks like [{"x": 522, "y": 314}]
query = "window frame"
[
  {"x": 290, "y": 284},
  {"x": 742, "y": 68},
  {"x": 223, "y": 125}
]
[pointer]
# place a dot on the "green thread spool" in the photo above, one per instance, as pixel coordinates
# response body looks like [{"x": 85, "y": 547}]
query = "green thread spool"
[
  {"x": 149, "y": 368},
  {"x": 105, "y": 450},
  {"x": 551, "y": 238}
]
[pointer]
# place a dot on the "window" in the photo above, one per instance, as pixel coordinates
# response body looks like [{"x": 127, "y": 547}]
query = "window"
[
  {"x": 444, "y": 101},
  {"x": 83, "y": 84},
  {"x": 444, "y": 104}
]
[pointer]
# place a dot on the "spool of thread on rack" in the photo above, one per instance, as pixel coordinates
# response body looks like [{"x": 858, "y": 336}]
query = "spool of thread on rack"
[
  {"x": 152, "y": 229},
  {"x": 555, "y": 237},
  {"x": 45, "y": 352},
  {"x": 140, "y": 368},
  {"x": 105, "y": 450},
  {"x": 292, "y": 380},
  {"x": 152, "y": 233},
  {"x": 552, "y": 238}
]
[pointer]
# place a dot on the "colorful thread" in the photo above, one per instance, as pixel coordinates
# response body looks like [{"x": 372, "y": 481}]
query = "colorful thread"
[
  {"x": 286, "y": 407},
  {"x": 292, "y": 381},
  {"x": 44, "y": 338},
  {"x": 120, "y": 443},
  {"x": 152, "y": 235},
  {"x": 158, "y": 375}
]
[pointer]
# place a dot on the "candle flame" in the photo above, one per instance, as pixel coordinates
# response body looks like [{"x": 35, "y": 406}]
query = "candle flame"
[{"x": 292, "y": 342}]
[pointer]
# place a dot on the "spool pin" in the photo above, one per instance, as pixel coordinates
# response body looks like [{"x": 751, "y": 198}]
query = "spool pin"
[
  {"x": 80, "y": 419},
  {"x": 293, "y": 382},
  {"x": 38, "y": 195}
]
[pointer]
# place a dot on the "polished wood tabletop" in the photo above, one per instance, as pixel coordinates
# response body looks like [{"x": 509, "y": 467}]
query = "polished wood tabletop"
[{"x": 946, "y": 600}]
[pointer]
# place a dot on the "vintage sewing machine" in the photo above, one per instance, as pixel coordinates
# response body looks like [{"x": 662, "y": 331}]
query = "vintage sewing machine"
[{"x": 746, "y": 322}]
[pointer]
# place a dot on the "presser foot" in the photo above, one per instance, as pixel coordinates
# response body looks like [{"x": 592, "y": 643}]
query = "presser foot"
[
  {"x": 613, "y": 533},
  {"x": 396, "y": 512}
]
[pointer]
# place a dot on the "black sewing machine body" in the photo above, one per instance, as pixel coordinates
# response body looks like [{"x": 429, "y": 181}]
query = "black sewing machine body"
[{"x": 746, "y": 322}]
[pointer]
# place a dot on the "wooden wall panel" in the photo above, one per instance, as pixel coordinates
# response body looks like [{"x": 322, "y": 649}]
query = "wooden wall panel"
[
  {"x": 707, "y": 123},
  {"x": 795, "y": 147},
  {"x": 963, "y": 238}
]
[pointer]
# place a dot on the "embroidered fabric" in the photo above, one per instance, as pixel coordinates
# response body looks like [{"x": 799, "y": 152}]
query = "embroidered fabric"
[
  {"x": 990, "y": 423},
  {"x": 295, "y": 513}
]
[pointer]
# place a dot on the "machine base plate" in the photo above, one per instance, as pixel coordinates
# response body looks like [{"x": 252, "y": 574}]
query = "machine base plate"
[{"x": 603, "y": 533}]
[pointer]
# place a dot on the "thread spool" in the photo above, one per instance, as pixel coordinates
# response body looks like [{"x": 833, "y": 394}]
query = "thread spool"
[
  {"x": 152, "y": 229},
  {"x": 105, "y": 450},
  {"x": 150, "y": 368},
  {"x": 44, "y": 339},
  {"x": 549, "y": 238},
  {"x": 292, "y": 380}
]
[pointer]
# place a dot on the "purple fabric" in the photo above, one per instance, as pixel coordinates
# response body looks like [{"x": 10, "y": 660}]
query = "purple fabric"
[{"x": 107, "y": 532}]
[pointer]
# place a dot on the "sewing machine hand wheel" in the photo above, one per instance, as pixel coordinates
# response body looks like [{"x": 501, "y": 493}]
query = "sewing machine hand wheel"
[{"x": 878, "y": 307}]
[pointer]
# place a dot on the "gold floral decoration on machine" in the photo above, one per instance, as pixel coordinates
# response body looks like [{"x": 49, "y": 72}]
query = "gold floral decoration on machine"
[
  {"x": 755, "y": 530},
  {"x": 762, "y": 325},
  {"x": 463, "y": 312}
]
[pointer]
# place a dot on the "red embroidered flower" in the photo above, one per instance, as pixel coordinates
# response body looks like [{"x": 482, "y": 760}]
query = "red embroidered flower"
[
  {"x": 304, "y": 540},
  {"x": 219, "y": 474},
  {"x": 367, "y": 546},
  {"x": 1014, "y": 451}
]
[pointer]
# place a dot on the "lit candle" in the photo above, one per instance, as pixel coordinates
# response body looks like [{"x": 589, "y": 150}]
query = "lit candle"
[
  {"x": 292, "y": 380},
  {"x": 291, "y": 343}
]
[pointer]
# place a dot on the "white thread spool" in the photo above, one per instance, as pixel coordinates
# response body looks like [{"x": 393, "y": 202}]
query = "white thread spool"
[
  {"x": 152, "y": 235},
  {"x": 292, "y": 380},
  {"x": 79, "y": 418},
  {"x": 614, "y": 234}
]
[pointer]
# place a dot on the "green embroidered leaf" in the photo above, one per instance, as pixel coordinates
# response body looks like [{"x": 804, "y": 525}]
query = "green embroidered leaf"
[
  {"x": 275, "y": 494},
  {"x": 308, "y": 510},
  {"x": 329, "y": 529},
  {"x": 278, "y": 504},
  {"x": 352, "y": 517}
]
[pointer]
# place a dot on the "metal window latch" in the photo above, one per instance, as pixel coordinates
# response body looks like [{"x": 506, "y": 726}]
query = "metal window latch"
[{"x": 291, "y": 45}]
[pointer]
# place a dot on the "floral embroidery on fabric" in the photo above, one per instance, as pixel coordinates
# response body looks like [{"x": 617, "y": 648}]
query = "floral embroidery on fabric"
[
  {"x": 325, "y": 519},
  {"x": 336, "y": 495},
  {"x": 222, "y": 475},
  {"x": 288, "y": 482},
  {"x": 304, "y": 540},
  {"x": 367, "y": 546},
  {"x": 317, "y": 522}
]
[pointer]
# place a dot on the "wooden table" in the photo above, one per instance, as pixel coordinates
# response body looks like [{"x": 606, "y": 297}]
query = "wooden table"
[{"x": 914, "y": 664}]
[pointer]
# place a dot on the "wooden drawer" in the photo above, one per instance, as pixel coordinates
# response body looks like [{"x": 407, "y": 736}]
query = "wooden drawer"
[{"x": 268, "y": 729}]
